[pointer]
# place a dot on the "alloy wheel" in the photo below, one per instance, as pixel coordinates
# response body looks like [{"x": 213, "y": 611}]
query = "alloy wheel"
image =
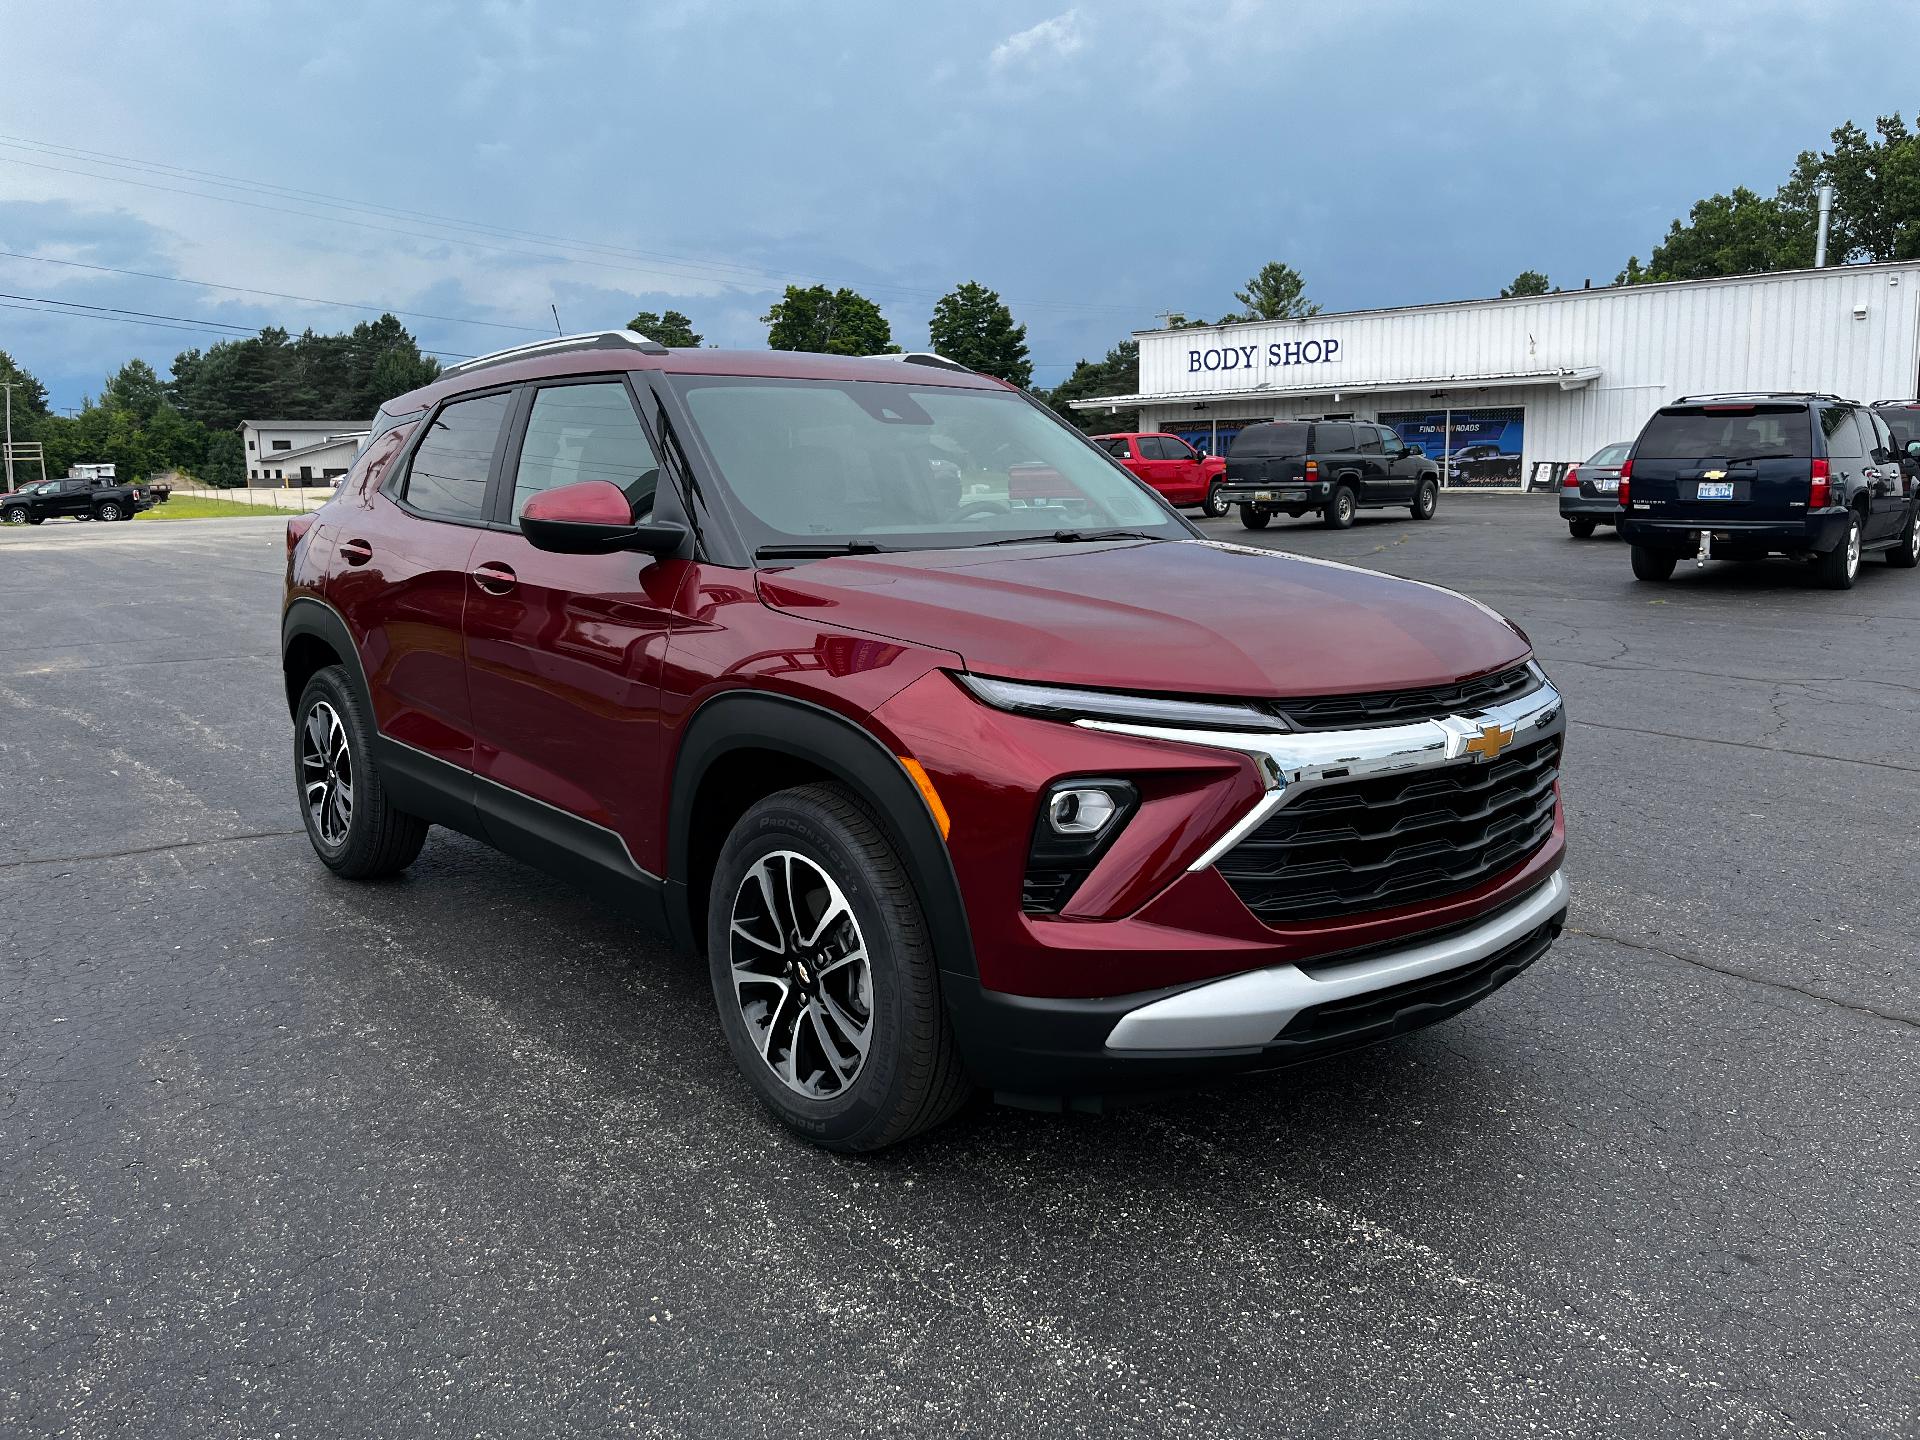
[
  {"x": 326, "y": 773},
  {"x": 1853, "y": 549},
  {"x": 16, "y": 517},
  {"x": 1345, "y": 504},
  {"x": 109, "y": 512},
  {"x": 801, "y": 975}
]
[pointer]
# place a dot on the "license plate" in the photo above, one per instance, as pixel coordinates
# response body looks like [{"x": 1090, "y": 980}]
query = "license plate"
[
  {"x": 1606, "y": 487},
  {"x": 1714, "y": 490},
  {"x": 1263, "y": 494}
]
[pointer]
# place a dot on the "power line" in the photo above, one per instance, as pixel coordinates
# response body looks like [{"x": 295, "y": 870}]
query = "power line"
[
  {"x": 273, "y": 294},
  {"x": 198, "y": 324},
  {"x": 709, "y": 271}
]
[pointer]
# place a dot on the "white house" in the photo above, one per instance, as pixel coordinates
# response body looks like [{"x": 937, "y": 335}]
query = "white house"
[
  {"x": 299, "y": 452},
  {"x": 1510, "y": 389}
]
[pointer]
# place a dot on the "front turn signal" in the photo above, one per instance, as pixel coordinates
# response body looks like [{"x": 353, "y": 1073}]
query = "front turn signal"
[{"x": 924, "y": 782}]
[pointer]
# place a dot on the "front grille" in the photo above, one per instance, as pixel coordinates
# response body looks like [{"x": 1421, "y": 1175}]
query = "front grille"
[
  {"x": 1345, "y": 849},
  {"x": 1403, "y": 707},
  {"x": 1043, "y": 892}
]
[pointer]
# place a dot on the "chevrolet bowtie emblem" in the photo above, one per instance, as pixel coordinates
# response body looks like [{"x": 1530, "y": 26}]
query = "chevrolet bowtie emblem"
[
  {"x": 1713, "y": 474},
  {"x": 1491, "y": 740}
]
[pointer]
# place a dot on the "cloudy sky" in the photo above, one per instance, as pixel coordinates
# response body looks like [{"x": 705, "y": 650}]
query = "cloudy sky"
[{"x": 1098, "y": 164}]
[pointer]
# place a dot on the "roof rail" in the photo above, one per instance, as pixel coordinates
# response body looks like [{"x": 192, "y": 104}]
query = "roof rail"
[
  {"x": 922, "y": 357},
  {"x": 1760, "y": 395},
  {"x": 595, "y": 340},
  {"x": 1904, "y": 400}
]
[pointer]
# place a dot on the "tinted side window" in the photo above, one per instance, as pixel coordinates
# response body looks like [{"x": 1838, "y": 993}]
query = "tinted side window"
[
  {"x": 447, "y": 478},
  {"x": 1116, "y": 448},
  {"x": 1366, "y": 439},
  {"x": 1843, "y": 440},
  {"x": 1333, "y": 439},
  {"x": 1904, "y": 425},
  {"x": 585, "y": 432},
  {"x": 1172, "y": 447},
  {"x": 1155, "y": 447}
]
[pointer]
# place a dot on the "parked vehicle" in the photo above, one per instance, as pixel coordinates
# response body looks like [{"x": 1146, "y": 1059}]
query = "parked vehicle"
[
  {"x": 1333, "y": 468},
  {"x": 1590, "y": 491},
  {"x": 1902, "y": 419},
  {"x": 159, "y": 491},
  {"x": 1036, "y": 798},
  {"x": 1740, "y": 477},
  {"x": 81, "y": 498},
  {"x": 1180, "y": 473}
]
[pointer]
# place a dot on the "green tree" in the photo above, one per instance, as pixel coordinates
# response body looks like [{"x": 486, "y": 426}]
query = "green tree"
[
  {"x": 671, "y": 329},
  {"x": 831, "y": 322},
  {"x": 395, "y": 373},
  {"x": 225, "y": 465},
  {"x": 29, "y": 395},
  {"x": 1527, "y": 282},
  {"x": 1732, "y": 234},
  {"x": 1876, "y": 192},
  {"x": 973, "y": 326},
  {"x": 1276, "y": 293},
  {"x": 135, "y": 388},
  {"x": 1117, "y": 374}
]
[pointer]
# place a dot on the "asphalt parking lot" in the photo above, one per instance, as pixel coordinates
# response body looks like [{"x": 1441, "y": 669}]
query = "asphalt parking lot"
[{"x": 461, "y": 1155}]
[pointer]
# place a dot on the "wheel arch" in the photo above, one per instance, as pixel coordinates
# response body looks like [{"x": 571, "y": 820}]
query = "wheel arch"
[
  {"x": 313, "y": 636},
  {"x": 741, "y": 746}
]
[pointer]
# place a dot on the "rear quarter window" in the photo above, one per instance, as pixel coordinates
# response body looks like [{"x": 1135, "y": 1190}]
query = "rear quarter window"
[{"x": 1693, "y": 432}]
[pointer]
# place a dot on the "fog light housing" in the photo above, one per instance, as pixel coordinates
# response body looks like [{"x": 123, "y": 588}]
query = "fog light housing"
[{"x": 1078, "y": 820}]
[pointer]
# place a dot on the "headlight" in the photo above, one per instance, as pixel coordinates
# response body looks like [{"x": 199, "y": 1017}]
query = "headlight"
[{"x": 1068, "y": 702}]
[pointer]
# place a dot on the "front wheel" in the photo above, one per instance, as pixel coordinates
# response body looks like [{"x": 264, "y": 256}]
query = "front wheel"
[
  {"x": 354, "y": 828},
  {"x": 1426, "y": 500},
  {"x": 1580, "y": 529},
  {"x": 1837, "y": 568},
  {"x": 1905, "y": 553},
  {"x": 1213, "y": 507},
  {"x": 1253, "y": 517},
  {"x": 15, "y": 515},
  {"x": 1652, "y": 564},
  {"x": 1340, "y": 510},
  {"x": 824, "y": 974}
]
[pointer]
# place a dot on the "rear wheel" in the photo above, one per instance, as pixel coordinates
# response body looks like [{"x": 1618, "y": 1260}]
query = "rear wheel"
[
  {"x": 1905, "y": 553},
  {"x": 1340, "y": 510},
  {"x": 1837, "y": 568},
  {"x": 1652, "y": 564},
  {"x": 1253, "y": 517},
  {"x": 824, "y": 974},
  {"x": 1213, "y": 507},
  {"x": 1426, "y": 500},
  {"x": 107, "y": 510},
  {"x": 354, "y": 828},
  {"x": 1580, "y": 529}
]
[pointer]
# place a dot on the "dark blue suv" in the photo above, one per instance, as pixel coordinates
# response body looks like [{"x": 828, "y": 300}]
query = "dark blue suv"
[{"x": 1739, "y": 477}]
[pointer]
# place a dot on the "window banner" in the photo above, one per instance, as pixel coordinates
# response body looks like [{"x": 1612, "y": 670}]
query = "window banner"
[{"x": 1476, "y": 449}]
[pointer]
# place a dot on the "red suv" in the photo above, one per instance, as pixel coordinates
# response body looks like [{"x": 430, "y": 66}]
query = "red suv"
[
  {"x": 963, "y": 758},
  {"x": 1182, "y": 474}
]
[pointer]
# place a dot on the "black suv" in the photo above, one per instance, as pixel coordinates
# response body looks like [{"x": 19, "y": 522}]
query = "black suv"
[
  {"x": 1902, "y": 419},
  {"x": 1332, "y": 467},
  {"x": 81, "y": 498},
  {"x": 1738, "y": 477}
]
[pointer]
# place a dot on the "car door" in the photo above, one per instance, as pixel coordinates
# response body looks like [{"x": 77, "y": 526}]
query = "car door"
[
  {"x": 1186, "y": 476},
  {"x": 1403, "y": 469},
  {"x": 400, "y": 575},
  {"x": 74, "y": 497},
  {"x": 1371, "y": 463},
  {"x": 1889, "y": 485},
  {"x": 566, "y": 652}
]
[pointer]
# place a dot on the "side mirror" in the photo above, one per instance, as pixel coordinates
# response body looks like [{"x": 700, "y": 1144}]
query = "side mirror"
[
  {"x": 1419, "y": 450},
  {"x": 592, "y": 517},
  {"x": 1913, "y": 449}
]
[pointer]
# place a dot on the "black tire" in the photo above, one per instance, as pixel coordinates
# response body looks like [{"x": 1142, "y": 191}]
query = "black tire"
[
  {"x": 1581, "y": 528},
  {"x": 378, "y": 840},
  {"x": 909, "y": 1078},
  {"x": 1837, "y": 569},
  {"x": 1341, "y": 508},
  {"x": 1426, "y": 500},
  {"x": 1213, "y": 507},
  {"x": 1905, "y": 553},
  {"x": 107, "y": 510},
  {"x": 1652, "y": 564},
  {"x": 1253, "y": 518},
  {"x": 15, "y": 515}
]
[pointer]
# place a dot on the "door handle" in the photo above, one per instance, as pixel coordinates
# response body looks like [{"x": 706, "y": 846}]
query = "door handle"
[
  {"x": 494, "y": 578},
  {"x": 356, "y": 552}
]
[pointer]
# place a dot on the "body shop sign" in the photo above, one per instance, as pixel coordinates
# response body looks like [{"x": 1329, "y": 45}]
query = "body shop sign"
[{"x": 1276, "y": 355}]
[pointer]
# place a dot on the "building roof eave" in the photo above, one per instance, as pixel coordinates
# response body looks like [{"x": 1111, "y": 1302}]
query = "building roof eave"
[{"x": 1566, "y": 377}]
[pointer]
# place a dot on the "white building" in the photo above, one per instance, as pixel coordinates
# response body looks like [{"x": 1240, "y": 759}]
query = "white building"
[
  {"x": 300, "y": 452},
  {"x": 1515, "y": 387}
]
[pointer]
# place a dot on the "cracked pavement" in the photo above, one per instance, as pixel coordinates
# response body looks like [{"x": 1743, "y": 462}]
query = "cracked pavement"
[{"x": 463, "y": 1155}]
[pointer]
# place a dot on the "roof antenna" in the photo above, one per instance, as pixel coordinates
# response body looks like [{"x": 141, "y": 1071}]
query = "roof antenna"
[{"x": 556, "y": 318}]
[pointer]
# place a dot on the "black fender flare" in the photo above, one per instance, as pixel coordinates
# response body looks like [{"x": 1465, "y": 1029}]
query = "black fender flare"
[
  {"x": 754, "y": 720},
  {"x": 306, "y": 615}
]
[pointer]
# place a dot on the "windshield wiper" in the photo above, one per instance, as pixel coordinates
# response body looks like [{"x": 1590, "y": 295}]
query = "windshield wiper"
[
  {"x": 1069, "y": 537},
  {"x": 1770, "y": 455},
  {"x": 819, "y": 551}
]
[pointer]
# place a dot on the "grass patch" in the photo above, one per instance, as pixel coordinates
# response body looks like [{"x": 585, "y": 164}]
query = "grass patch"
[{"x": 192, "y": 507}]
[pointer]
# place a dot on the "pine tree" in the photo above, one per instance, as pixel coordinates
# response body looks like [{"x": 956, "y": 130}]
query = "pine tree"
[{"x": 973, "y": 326}]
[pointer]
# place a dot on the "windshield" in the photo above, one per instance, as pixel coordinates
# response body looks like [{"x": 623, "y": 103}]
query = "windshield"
[
  {"x": 904, "y": 466},
  {"x": 1732, "y": 432}
]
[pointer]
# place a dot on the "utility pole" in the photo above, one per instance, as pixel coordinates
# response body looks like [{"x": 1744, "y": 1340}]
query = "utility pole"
[{"x": 7, "y": 385}]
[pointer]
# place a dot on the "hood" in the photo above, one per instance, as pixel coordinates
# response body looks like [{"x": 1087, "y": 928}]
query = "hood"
[{"x": 1188, "y": 616}]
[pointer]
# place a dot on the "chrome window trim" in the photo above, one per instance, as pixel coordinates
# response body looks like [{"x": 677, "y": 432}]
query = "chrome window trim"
[{"x": 1292, "y": 764}]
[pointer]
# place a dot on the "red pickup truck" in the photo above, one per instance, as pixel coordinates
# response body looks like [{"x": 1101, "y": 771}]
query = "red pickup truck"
[{"x": 1182, "y": 474}]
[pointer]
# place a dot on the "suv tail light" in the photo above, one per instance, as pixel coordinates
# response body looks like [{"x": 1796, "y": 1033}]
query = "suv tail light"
[
  {"x": 296, "y": 528},
  {"x": 1312, "y": 470},
  {"x": 1822, "y": 492},
  {"x": 1572, "y": 482},
  {"x": 1626, "y": 476}
]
